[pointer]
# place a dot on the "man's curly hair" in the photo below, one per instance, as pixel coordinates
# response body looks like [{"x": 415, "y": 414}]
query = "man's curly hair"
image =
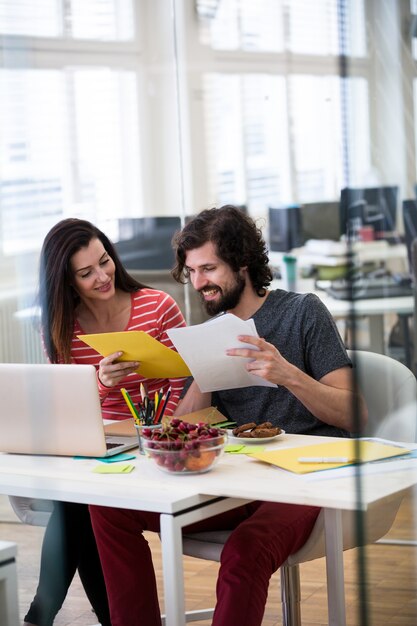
[{"x": 237, "y": 239}]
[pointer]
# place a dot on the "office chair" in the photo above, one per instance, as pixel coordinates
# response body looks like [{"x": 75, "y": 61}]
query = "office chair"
[{"x": 390, "y": 390}]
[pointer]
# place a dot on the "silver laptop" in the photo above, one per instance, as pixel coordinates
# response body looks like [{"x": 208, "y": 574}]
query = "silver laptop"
[{"x": 54, "y": 409}]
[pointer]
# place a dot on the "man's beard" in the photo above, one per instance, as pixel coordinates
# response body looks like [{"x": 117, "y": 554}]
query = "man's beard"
[{"x": 229, "y": 298}]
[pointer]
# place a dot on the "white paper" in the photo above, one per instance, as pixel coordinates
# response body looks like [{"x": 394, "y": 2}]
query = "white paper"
[{"x": 203, "y": 348}]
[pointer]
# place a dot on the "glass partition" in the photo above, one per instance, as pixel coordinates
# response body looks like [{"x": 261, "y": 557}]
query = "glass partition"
[{"x": 137, "y": 114}]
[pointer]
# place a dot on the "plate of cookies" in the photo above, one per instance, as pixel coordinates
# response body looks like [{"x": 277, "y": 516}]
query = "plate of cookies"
[{"x": 256, "y": 433}]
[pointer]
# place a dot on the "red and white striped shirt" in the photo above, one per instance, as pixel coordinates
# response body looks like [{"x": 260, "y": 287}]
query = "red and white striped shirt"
[{"x": 153, "y": 312}]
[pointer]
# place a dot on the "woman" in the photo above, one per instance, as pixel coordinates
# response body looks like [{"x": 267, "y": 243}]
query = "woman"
[{"x": 84, "y": 289}]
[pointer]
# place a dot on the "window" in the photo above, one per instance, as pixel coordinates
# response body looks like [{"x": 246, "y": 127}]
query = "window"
[
  {"x": 247, "y": 138},
  {"x": 274, "y": 134},
  {"x": 69, "y": 132}
]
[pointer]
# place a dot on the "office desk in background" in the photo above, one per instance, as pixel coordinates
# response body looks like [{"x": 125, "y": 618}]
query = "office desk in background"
[
  {"x": 323, "y": 253},
  {"x": 375, "y": 309},
  {"x": 184, "y": 499}
]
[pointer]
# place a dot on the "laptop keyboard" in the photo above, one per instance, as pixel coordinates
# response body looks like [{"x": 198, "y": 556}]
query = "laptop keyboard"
[{"x": 110, "y": 445}]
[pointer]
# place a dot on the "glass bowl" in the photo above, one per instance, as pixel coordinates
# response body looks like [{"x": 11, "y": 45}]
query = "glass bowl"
[{"x": 184, "y": 453}]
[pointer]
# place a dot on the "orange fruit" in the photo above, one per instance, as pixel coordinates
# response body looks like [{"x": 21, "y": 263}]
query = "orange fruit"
[{"x": 196, "y": 463}]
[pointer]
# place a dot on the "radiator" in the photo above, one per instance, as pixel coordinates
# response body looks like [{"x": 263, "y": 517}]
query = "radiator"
[{"x": 19, "y": 336}]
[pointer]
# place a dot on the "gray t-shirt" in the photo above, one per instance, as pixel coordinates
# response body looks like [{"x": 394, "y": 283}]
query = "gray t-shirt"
[{"x": 304, "y": 332}]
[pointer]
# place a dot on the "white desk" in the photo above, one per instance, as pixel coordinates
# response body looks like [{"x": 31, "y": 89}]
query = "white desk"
[
  {"x": 337, "y": 253},
  {"x": 184, "y": 499}
]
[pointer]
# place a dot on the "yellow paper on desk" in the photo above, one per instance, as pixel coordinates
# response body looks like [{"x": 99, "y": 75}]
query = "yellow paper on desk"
[
  {"x": 210, "y": 415},
  {"x": 155, "y": 359},
  {"x": 368, "y": 451},
  {"x": 121, "y": 428}
]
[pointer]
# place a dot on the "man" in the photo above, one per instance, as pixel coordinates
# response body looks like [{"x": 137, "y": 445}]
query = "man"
[
  {"x": 224, "y": 256},
  {"x": 222, "y": 253}
]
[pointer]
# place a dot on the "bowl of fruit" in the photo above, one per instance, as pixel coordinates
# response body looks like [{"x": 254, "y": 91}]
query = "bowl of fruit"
[{"x": 179, "y": 447}]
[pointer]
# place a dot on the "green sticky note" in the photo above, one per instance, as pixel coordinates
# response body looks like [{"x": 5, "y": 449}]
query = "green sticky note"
[
  {"x": 114, "y": 468},
  {"x": 242, "y": 449},
  {"x": 233, "y": 447},
  {"x": 252, "y": 449}
]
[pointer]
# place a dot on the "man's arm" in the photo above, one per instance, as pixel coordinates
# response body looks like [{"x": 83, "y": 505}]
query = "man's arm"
[
  {"x": 332, "y": 399},
  {"x": 194, "y": 400}
]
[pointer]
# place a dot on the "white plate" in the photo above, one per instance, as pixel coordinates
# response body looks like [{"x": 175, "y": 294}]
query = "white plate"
[{"x": 253, "y": 439}]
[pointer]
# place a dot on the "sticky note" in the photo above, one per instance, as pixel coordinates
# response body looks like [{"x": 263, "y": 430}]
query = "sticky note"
[
  {"x": 231, "y": 447},
  {"x": 114, "y": 468},
  {"x": 242, "y": 449},
  {"x": 252, "y": 449}
]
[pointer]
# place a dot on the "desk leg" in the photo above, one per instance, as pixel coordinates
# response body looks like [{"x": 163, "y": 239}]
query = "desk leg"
[
  {"x": 173, "y": 571},
  {"x": 334, "y": 567},
  {"x": 376, "y": 333}
]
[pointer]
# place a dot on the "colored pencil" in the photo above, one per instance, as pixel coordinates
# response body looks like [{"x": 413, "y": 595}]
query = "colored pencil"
[{"x": 131, "y": 406}]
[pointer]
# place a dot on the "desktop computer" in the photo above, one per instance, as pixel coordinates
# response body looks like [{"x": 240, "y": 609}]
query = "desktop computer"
[
  {"x": 410, "y": 226},
  {"x": 372, "y": 206},
  {"x": 285, "y": 228},
  {"x": 145, "y": 242},
  {"x": 320, "y": 220}
]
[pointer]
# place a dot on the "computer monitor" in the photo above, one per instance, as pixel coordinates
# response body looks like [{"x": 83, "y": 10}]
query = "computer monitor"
[
  {"x": 372, "y": 206},
  {"x": 410, "y": 225},
  {"x": 320, "y": 220},
  {"x": 146, "y": 242},
  {"x": 285, "y": 228}
]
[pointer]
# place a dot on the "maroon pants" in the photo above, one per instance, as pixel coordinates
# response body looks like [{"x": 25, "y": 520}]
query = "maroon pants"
[{"x": 264, "y": 535}]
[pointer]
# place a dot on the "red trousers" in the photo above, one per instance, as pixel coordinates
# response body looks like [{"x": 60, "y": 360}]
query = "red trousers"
[{"x": 264, "y": 535}]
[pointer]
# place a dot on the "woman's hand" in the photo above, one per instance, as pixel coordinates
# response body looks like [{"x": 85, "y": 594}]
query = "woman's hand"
[{"x": 111, "y": 371}]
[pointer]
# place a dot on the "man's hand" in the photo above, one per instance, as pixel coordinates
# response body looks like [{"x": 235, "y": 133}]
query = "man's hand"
[
  {"x": 267, "y": 362},
  {"x": 111, "y": 371},
  {"x": 331, "y": 399}
]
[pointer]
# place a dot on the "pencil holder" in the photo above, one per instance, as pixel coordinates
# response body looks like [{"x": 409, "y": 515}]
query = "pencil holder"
[{"x": 139, "y": 428}]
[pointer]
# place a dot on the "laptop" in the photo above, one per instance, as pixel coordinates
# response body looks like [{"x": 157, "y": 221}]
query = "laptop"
[{"x": 54, "y": 409}]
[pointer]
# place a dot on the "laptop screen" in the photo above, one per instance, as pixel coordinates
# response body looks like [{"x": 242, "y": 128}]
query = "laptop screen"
[{"x": 50, "y": 409}]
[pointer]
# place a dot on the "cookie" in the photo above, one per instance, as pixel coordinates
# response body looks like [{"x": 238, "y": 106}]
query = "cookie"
[
  {"x": 265, "y": 432},
  {"x": 244, "y": 428}
]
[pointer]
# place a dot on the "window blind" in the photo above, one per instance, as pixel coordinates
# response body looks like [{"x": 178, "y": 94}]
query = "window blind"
[
  {"x": 79, "y": 19},
  {"x": 298, "y": 26}
]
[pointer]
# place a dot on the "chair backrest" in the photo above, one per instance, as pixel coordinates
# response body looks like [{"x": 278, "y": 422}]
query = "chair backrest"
[
  {"x": 390, "y": 391},
  {"x": 32, "y": 511}
]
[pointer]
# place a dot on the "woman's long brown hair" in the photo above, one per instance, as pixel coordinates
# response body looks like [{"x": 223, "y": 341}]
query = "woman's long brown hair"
[{"x": 58, "y": 299}]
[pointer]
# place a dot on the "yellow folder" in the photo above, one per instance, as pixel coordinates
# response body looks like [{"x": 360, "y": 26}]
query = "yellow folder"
[
  {"x": 210, "y": 415},
  {"x": 155, "y": 359},
  {"x": 356, "y": 451}
]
